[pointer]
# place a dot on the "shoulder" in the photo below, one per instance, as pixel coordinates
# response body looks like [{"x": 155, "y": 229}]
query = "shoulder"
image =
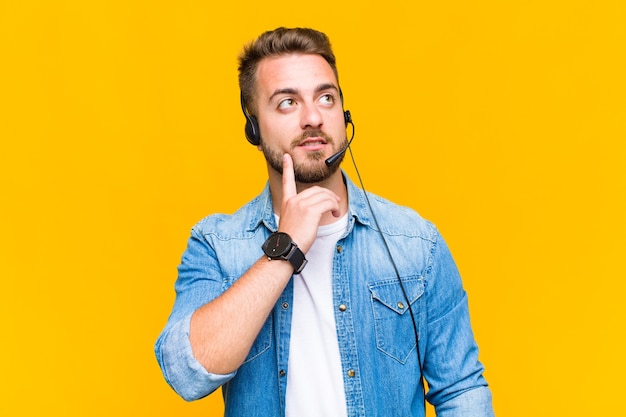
[
  {"x": 242, "y": 224},
  {"x": 374, "y": 211},
  {"x": 395, "y": 219}
]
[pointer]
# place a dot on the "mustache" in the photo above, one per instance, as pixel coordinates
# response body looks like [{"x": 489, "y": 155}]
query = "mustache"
[{"x": 311, "y": 134}]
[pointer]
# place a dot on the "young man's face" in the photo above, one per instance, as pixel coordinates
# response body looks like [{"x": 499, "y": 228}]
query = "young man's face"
[{"x": 299, "y": 112}]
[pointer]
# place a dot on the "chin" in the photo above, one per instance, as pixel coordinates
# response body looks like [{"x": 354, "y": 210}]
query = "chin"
[{"x": 314, "y": 174}]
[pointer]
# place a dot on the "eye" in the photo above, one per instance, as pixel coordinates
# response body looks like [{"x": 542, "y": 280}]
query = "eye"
[
  {"x": 286, "y": 103},
  {"x": 327, "y": 99}
]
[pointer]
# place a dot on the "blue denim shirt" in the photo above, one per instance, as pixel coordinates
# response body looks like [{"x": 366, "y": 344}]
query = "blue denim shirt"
[{"x": 374, "y": 329}]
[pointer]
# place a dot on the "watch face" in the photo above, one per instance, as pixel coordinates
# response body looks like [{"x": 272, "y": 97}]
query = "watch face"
[{"x": 277, "y": 245}]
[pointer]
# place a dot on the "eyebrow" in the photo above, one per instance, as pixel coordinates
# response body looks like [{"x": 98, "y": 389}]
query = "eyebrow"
[{"x": 293, "y": 91}]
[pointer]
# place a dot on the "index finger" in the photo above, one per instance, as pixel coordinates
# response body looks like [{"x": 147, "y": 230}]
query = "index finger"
[{"x": 289, "y": 181}]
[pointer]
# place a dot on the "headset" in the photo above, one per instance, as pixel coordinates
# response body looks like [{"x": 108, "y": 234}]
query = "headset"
[{"x": 253, "y": 133}]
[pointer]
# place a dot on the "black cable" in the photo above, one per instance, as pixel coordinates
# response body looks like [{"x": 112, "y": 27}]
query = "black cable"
[{"x": 395, "y": 268}]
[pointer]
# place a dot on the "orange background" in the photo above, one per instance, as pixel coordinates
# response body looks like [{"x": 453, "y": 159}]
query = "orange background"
[{"x": 120, "y": 127}]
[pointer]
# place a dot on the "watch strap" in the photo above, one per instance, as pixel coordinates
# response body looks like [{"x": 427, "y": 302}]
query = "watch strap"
[{"x": 296, "y": 258}]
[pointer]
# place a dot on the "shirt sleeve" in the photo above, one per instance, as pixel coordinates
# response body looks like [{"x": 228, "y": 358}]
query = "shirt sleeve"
[
  {"x": 199, "y": 281},
  {"x": 451, "y": 367},
  {"x": 181, "y": 369}
]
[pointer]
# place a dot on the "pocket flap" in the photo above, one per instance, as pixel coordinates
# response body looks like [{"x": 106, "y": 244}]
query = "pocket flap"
[{"x": 389, "y": 292}]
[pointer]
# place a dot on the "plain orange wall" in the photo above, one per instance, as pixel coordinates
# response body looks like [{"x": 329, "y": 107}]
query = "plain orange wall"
[{"x": 120, "y": 127}]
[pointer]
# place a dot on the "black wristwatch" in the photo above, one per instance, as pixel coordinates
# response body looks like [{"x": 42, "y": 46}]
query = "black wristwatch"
[{"x": 280, "y": 246}]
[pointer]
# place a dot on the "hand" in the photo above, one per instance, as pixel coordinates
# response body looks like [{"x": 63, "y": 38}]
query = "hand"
[{"x": 301, "y": 213}]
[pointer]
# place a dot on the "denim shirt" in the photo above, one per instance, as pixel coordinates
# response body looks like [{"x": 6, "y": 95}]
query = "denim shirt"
[{"x": 377, "y": 341}]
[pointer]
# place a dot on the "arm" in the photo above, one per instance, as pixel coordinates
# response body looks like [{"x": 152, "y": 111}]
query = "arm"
[
  {"x": 209, "y": 334},
  {"x": 223, "y": 330},
  {"x": 233, "y": 320},
  {"x": 451, "y": 367}
]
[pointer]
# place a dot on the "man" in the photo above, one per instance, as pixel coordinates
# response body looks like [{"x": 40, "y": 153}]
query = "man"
[{"x": 302, "y": 303}]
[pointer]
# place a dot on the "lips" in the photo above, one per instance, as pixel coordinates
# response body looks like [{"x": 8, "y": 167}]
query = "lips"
[
  {"x": 313, "y": 138},
  {"x": 313, "y": 141}
]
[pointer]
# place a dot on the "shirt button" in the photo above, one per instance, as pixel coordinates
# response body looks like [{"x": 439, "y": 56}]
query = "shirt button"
[
  {"x": 285, "y": 306},
  {"x": 342, "y": 307},
  {"x": 400, "y": 305},
  {"x": 339, "y": 249},
  {"x": 281, "y": 372},
  {"x": 351, "y": 373}
]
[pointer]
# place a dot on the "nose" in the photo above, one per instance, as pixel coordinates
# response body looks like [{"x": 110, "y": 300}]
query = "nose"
[{"x": 311, "y": 117}]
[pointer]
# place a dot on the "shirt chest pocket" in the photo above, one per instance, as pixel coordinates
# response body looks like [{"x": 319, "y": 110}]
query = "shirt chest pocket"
[{"x": 392, "y": 318}]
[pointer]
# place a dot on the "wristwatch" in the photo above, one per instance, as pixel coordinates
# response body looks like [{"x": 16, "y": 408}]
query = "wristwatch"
[{"x": 280, "y": 246}]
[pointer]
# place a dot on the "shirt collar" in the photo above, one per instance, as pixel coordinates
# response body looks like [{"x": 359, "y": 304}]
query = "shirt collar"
[{"x": 263, "y": 209}]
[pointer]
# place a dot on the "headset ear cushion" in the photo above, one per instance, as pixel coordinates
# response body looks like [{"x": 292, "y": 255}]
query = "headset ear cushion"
[
  {"x": 253, "y": 133},
  {"x": 252, "y": 130}
]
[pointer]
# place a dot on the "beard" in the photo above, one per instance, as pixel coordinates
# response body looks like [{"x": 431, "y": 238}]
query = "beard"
[{"x": 313, "y": 169}]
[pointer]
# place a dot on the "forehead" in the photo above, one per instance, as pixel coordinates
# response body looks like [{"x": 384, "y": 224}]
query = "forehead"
[{"x": 294, "y": 71}]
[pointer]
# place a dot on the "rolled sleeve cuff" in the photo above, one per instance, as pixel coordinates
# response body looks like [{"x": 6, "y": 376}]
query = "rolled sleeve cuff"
[
  {"x": 472, "y": 403},
  {"x": 182, "y": 371}
]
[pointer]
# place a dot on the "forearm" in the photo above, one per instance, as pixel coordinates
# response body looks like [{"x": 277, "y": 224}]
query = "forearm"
[{"x": 223, "y": 330}]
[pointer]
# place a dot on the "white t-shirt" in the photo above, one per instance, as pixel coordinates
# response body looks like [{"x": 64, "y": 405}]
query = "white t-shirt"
[{"x": 315, "y": 381}]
